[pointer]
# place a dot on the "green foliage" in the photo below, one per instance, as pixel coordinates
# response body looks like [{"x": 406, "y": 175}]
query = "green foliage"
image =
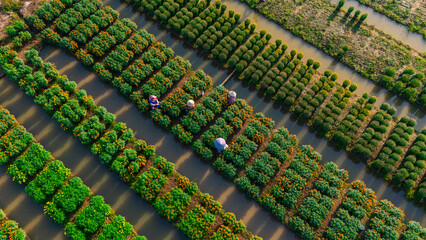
[
  {"x": 414, "y": 231},
  {"x": 89, "y": 130},
  {"x": 251, "y": 190},
  {"x": 29, "y": 164},
  {"x": 93, "y": 216},
  {"x": 48, "y": 181},
  {"x": 118, "y": 229},
  {"x": 172, "y": 204},
  {"x": 13, "y": 143},
  {"x": 385, "y": 222},
  {"x": 71, "y": 196},
  {"x": 196, "y": 223},
  {"x": 150, "y": 183},
  {"x": 52, "y": 98},
  {"x": 11, "y": 230},
  {"x": 70, "y": 114}
]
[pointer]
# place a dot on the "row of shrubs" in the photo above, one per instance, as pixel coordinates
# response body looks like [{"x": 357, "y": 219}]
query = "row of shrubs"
[
  {"x": 320, "y": 201},
  {"x": 251, "y": 62},
  {"x": 233, "y": 119},
  {"x": 9, "y": 229},
  {"x": 346, "y": 131},
  {"x": 374, "y": 132},
  {"x": 194, "y": 121},
  {"x": 408, "y": 84},
  {"x": 50, "y": 183},
  {"x": 355, "y": 207},
  {"x": 118, "y": 149},
  {"x": 324, "y": 121},
  {"x": 223, "y": 99},
  {"x": 240, "y": 151},
  {"x": 395, "y": 147},
  {"x": 412, "y": 166},
  {"x": 281, "y": 76},
  {"x": 385, "y": 222}
]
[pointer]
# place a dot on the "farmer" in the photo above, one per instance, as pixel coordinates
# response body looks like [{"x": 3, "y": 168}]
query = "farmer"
[
  {"x": 232, "y": 96},
  {"x": 220, "y": 144},
  {"x": 153, "y": 102},
  {"x": 190, "y": 105}
]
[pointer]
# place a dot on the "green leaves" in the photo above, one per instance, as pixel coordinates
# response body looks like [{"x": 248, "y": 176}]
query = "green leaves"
[
  {"x": 93, "y": 216},
  {"x": 118, "y": 229},
  {"x": 150, "y": 183},
  {"x": 11, "y": 230},
  {"x": 172, "y": 204},
  {"x": 27, "y": 165},
  {"x": 71, "y": 195},
  {"x": 48, "y": 181},
  {"x": 197, "y": 223}
]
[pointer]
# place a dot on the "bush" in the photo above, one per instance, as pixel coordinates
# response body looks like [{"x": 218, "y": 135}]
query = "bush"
[{"x": 363, "y": 17}]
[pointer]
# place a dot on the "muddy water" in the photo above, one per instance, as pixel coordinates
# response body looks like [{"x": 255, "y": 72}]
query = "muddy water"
[
  {"x": 258, "y": 221},
  {"x": 387, "y": 25},
  {"x": 20, "y": 207},
  {"x": 179, "y": 47},
  {"x": 83, "y": 164},
  {"x": 364, "y": 85},
  {"x": 356, "y": 170}
]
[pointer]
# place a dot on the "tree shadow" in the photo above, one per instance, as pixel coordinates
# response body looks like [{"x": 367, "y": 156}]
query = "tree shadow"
[
  {"x": 345, "y": 18},
  {"x": 352, "y": 21},
  {"x": 356, "y": 27},
  {"x": 333, "y": 14}
]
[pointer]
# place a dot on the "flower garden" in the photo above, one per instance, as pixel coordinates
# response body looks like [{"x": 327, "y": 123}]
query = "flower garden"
[
  {"x": 10, "y": 229},
  {"x": 315, "y": 200}
]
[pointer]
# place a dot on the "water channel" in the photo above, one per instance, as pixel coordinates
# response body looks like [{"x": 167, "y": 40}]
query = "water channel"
[
  {"x": 404, "y": 108},
  {"x": 124, "y": 201},
  {"x": 19, "y": 206},
  {"x": 387, "y": 25},
  {"x": 258, "y": 221},
  {"x": 63, "y": 146},
  {"x": 357, "y": 170}
]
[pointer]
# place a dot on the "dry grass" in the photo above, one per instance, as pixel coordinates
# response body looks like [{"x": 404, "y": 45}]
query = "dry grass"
[{"x": 10, "y": 5}]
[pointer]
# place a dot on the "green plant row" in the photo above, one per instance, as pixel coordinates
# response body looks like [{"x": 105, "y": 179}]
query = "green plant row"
[
  {"x": 185, "y": 21},
  {"x": 117, "y": 148},
  {"x": 218, "y": 99},
  {"x": 280, "y": 75},
  {"x": 10, "y": 229},
  {"x": 143, "y": 184},
  {"x": 283, "y": 77},
  {"x": 49, "y": 183},
  {"x": 410, "y": 15},
  {"x": 290, "y": 76},
  {"x": 220, "y": 36}
]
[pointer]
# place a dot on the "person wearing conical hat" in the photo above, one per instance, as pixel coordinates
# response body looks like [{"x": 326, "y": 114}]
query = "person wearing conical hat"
[
  {"x": 220, "y": 144},
  {"x": 153, "y": 102},
  {"x": 232, "y": 97},
  {"x": 190, "y": 105}
]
